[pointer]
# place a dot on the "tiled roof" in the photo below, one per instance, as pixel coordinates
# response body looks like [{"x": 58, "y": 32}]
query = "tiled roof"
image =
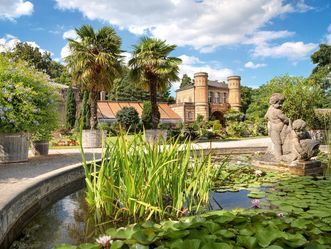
[{"x": 108, "y": 109}]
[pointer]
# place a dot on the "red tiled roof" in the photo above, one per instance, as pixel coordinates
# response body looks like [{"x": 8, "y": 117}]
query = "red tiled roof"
[{"x": 108, "y": 109}]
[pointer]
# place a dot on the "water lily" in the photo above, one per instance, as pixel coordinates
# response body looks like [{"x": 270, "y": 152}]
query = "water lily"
[
  {"x": 280, "y": 215},
  {"x": 105, "y": 241},
  {"x": 255, "y": 203},
  {"x": 258, "y": 173}
]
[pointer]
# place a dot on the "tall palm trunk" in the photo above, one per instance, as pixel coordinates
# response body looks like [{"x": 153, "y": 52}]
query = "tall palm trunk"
[
  {"x": 153, "y": 98},
  {"x": 94, "y": 109}
]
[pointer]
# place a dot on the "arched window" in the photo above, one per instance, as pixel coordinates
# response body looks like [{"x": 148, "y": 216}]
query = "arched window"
[{"x": 190, "y": 115}]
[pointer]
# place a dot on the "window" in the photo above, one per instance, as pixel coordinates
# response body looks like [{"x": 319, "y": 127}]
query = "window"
[
  {"x": 190, "y": 115},
  {"x": 225, "y": 100},
  {"x": 217, "y": 98},
  {"x": 209, "y": 97}
]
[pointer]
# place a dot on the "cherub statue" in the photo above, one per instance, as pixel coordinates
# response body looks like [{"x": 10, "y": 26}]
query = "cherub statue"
[
  {"x": 298, "y": 144},
  {"x": 277, "y": 124}
]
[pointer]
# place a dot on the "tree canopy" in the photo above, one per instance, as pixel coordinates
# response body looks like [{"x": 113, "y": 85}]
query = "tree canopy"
[
  {"x": 186, "y": 81},
  {"x": 152, "y": 66},
  {"x": 301, "y": 98},
  {"x": 94, "y": 62}
]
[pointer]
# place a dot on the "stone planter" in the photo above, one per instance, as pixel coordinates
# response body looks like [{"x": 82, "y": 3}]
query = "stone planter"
[
  {"x": 14, "y": 147},
  {"x": 93, "y": 138},
  {"x": 154, "y": 135},
  {"x": 40, "y": 148}
]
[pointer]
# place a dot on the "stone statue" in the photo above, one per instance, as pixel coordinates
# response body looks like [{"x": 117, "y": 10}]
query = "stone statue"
[
  {"x": 277, "y": 124},
  {"x": 290, "y": 142}
]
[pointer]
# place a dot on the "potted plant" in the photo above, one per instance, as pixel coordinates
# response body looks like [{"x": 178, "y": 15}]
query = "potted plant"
[{"x": 24, "y": 107}]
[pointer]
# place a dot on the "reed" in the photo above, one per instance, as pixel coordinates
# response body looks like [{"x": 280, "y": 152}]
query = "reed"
[{"x": 137, "y": 180}]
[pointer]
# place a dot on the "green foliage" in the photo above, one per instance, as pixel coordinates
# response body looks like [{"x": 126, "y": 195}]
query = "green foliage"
[
  {"x": 321, "y": 74},
  {"x": 128, "y": 117},
  {"x": 94, "y": 62},
  {"x": 70, "y": 109},
  {"x": 233, "y": 116},
  {"x": 245, "y": 98},
  {"x": 125, "y": 89},
  {"x": 27, "y": 101},
  {"x": 136, "y": 180},
  {"x": 237, "y": 129},
  {"x": 152, "y": 67},
  {"x": 186, "y": 81},
  {"x": 217, "y": 126},
  {"x": 301, "y": 98},
  {"x": 41, "y": 61},
  {"x": 146, "y": 116}
]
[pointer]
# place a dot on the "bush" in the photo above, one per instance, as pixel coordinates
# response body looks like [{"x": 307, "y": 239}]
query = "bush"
[
  {"x": 217, "y": 126},
  {"x": 28, "y": 101},
  {"x": 128, "y": 118},
  {"x": 238, "y": 129},
  {"x": 146, "y": 116}
]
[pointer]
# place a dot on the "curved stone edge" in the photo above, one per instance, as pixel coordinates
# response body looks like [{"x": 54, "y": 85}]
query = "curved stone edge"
[{"x": 35, "y": 196}]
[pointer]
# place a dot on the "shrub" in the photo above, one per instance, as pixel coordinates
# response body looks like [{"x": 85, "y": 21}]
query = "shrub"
[
  {"x": 238, "y": 129},
  {"x": 128, "y": 118},
  {"x": 217, "y": 126},
  {"x": 146, "y": 116},
  {"x": 27, "y": 102}
]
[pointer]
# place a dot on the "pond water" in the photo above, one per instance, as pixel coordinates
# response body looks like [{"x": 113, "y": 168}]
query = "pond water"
[{"x": 64, "y": 221}]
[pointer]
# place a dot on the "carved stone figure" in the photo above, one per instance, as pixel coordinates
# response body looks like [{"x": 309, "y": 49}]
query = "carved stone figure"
[
  {"x": 277, "y": 124},
  {"x": 290, "y": 142}
]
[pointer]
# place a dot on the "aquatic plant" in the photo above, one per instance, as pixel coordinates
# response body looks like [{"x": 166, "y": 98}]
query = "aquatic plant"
[{"x": 136, "y": 180}]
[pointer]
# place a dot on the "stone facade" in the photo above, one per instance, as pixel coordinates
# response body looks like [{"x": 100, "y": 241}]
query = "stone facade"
[{"x": 207, "y": 98}]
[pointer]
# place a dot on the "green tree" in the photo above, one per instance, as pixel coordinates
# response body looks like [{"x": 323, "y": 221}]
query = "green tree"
[
  {"x": 152, "y": 67},
  {"x": 42, "y": 61},
  {"x": 94, "y": 62},
  {"x": 186, "y": 81},
  {"x": 146, "y": 116},
  {"x": 128, "y": 117},
  {"x": 245, "y": 98},
  {"x": 301, "y": 98},
  {"x": 321, "y": 74},
  {"x": 70, "y": 109}
]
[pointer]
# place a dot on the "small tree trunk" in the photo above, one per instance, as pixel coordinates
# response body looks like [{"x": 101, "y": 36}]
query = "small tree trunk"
[
  {"x": 153, "y": 98},
  {"x": 94, "y": 110}
]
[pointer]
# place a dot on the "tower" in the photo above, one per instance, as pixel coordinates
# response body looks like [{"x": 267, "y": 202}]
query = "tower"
[
  {"x": 234, "y": 92},
  {"x": 201, "y": 94}
]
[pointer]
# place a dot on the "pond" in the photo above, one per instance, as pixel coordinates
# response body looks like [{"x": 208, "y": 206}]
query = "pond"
[{"x": 65, "y": 220}]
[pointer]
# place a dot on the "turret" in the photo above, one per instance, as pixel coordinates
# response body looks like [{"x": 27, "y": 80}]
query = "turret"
[
  {"x": 234, "y": 92},
  {"x": 201, "y": 94}
]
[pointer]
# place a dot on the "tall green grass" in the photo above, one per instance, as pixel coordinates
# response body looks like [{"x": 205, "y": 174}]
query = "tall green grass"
[{"x": 137, "y": 180}]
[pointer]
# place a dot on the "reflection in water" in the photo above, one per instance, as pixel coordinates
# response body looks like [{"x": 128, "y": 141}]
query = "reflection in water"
[
  {"x": 63, "y": 222},
  {"x": 67, "y": 221}
]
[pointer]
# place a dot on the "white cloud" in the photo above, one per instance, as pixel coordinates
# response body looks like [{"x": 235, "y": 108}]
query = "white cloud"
[
  {"x": 328, "y": 39},
  {"x": 8, "y": 43},
  {"x": 126, "y": 57},
  {"x": 203, "y": 25},
  {"x": 11, "y": 9},
  {"x": 251, "y": 65},
  {"x": 65, "y": 51},
  {"x": 70, "y": 34},
  {"x": 290, "y": 50},
  {"x": 262, "y": 37},
  {"x": 192, "y": 65},
  {"x": 189, "y": 60}
]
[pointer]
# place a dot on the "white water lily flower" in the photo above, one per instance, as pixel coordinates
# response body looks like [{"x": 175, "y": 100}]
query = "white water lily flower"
[
  {"x": 104, "y": 240},
  {"x": 255, "y": 203},
  {"x": 258, "y": 173}
]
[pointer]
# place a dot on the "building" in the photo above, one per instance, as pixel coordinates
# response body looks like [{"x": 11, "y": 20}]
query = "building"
[
  {"x": 207, "y": 98},
  {"x": 107, "y": 110}
]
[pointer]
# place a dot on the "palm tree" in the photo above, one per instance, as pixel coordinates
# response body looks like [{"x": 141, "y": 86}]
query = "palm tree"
[
  {"x": 152, "y": 67},
  {"x": 94, "y": 62}
]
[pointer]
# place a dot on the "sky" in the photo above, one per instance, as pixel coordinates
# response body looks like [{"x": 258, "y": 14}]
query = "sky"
[{"x": 256, "y": 39}]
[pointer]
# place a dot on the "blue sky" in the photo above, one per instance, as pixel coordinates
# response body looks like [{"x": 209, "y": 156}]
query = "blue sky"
[{"x": 256, "y": 39}]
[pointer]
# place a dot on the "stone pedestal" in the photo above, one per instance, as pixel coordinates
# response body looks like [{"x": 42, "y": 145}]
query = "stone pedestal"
[{"x": 301, "y": 168}]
